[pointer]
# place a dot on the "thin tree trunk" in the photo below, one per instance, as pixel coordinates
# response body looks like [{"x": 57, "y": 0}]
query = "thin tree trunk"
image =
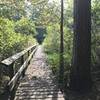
[{"x": 61, "y": 69}]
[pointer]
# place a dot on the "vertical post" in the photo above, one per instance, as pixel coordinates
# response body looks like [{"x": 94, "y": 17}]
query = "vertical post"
[
  {"x": 12, "y": 93},
  {"x": 11, "y": 67},
  {"x": 31, "y": 51},
  {"x": 61, "y": 68},
  {"x": 29, "y": 55},
  {"x": 1, "y": 73},
  {"x": 22, "y": 61},
  {"x": 80, "y": 73}
]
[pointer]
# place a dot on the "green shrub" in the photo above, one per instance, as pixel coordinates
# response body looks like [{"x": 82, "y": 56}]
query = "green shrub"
[
  {"x": 52, "y": 47},
  {"x": 25, "y": 26},
  {"x": 53, "y": 60},
  {"x": 10, "y": 41}
]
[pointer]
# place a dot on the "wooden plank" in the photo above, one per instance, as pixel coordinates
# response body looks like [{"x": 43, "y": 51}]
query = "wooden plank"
[
  {"x": 13, "y": 58},
  {"x": 13, "y": 81}
]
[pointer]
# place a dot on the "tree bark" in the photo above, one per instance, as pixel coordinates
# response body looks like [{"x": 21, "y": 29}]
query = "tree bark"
[
  {"x": 80, "y": 77},
  {"x": 61, "y": 68}
]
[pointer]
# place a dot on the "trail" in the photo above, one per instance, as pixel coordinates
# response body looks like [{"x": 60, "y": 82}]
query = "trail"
[{"x": 39, "y": 83}]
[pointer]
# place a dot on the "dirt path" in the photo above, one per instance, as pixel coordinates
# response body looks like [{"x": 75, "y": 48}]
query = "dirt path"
[{"x": 39, "y": 82}]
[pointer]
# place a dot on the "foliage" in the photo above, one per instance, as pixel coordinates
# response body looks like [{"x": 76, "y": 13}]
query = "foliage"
[
  {"x": 10, "y": 41},
  {"x": 52, "y": 41},
  {"x": 95, "y": 32},
  {"x": 53, "y": 59},
  {"x": 25, "y": 26},
  {"x": 12, "y": 9},
  {"x": 15, "y": 36},
  {"x": 52, "y": 44}
]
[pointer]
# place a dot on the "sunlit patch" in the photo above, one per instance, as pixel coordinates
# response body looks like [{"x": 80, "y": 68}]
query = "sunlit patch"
[{"x": 52, "y": 1}]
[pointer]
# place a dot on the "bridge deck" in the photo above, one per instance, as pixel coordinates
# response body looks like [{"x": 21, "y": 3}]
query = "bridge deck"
[{"x": 39, "y": 83}]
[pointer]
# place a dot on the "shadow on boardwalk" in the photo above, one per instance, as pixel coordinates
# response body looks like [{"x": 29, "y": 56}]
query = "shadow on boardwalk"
[
  {"x": 94, "y": 94},
  {"x": 39, "y": 82}
]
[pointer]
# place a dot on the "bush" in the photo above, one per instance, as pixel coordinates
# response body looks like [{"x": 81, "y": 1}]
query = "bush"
[
  {"x": 52, "y": 47},
  {"x": 10, "y": 41},
  {"x": 25, "y": 26},
  {"x": 53, "y": 60}
]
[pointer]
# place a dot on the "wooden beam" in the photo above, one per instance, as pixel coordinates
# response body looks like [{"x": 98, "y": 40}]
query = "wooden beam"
[
  {"x": 13, "y": 58},
  {"x": 14, "y": 80}
]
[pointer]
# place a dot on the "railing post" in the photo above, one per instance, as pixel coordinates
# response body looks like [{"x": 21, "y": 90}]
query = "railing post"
[
  {"x": 12, "y": 93},
  {"x": 28, "y": 56},
  {"x": 10, "y": 64},
  {"x": 31, "y": 51},
  {"x": 11, "y": 67},
  {"x": 22, "y": 61},
  {"x": 28, "y": 53}
]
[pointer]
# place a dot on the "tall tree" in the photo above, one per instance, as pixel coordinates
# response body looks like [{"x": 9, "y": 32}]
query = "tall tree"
[
  {"x": 80, "y": 78},
  {"x": 61, "y": 69}
]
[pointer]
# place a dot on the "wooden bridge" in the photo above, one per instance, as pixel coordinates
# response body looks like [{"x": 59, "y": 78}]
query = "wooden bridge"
[{"x": 33, "y": 80}]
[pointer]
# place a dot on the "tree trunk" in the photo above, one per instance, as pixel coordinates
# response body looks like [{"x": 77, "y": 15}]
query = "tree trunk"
[
  {"x": 80, "y": 78},
  {"x": 61, "y": 68}
]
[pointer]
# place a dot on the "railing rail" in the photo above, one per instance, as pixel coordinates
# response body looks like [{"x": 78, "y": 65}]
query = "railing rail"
[
  {"x": 14, "y": 77},
  {"x": 13, "y": 58}
]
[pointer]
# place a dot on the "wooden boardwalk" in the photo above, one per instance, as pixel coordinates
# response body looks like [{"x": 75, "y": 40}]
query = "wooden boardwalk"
[{"x": 39, "y": 83}]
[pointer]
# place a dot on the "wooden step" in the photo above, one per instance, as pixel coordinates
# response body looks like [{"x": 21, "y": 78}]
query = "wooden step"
[
  {"x": 38, "y": 93},
  {"x": 36, "y": 97}
]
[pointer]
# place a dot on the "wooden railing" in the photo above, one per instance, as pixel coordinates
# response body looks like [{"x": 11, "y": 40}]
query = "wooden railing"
[{"x": 14, "y": 75}]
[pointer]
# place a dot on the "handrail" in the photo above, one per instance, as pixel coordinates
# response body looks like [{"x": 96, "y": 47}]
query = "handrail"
[
  {"x": 14, "y": 77},
  {"x": 13, "y": 81},
  {"x": 13, "y": 58}
]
